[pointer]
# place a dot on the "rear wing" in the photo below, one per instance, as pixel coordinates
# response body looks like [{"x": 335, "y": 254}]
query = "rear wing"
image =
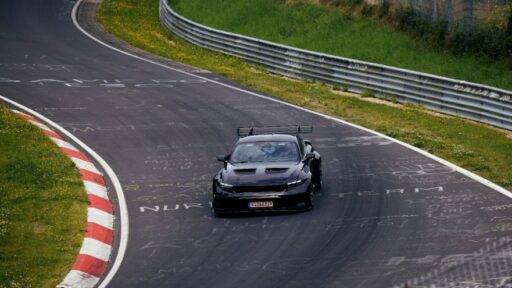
[{"x": 292, "y": 130}]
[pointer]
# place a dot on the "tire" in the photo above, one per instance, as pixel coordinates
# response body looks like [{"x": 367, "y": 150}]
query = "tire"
[
  {"x": 318, "y": 176},
  {"x": 318, "y": 186},
  {"x": 311, "y": 199},
  {"x": 214, "y": 211},
  {"x": 311, "y": 202},
  {"x": 216, "y": 214}
]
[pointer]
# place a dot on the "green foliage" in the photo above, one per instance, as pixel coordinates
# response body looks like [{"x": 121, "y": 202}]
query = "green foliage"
[
  {"x": 413, "y": 105},
  {"x": 391, "y": 98},
  {"x": 485, "y": 40},
  {"x": 43, "y": 207},
  {"x": 490, "y": 39},
  {"x": 509, "y": 23},
  {"x": 367, "y": 93}
]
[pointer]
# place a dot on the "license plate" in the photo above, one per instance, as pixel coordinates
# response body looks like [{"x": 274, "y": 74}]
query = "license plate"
[{"x": 261, "y": 204}]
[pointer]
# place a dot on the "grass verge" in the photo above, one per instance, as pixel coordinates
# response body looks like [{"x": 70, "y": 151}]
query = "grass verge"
[
  {"x": 476, "y": 147},
  {"x": 326, "y": 29},
  {"x": 43, "y": 207}
]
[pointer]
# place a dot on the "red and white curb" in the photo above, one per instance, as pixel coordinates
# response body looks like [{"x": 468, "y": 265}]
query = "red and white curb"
[{"x": 96, "y": 249}]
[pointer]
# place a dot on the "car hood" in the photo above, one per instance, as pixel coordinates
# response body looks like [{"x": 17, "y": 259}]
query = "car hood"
[{"x": 251, "y": 174}]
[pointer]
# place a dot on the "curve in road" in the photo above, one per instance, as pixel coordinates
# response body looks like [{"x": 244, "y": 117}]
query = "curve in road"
[{"x": 387, "y": 214}]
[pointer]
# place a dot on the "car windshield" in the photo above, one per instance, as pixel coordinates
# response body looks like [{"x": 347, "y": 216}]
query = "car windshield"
[{"x": 265, "y": 151}]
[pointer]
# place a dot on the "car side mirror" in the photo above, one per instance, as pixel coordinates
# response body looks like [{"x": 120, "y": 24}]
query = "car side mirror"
[
  {"x": 222, "y": 158},
  {"x": 309, "y": 156}
]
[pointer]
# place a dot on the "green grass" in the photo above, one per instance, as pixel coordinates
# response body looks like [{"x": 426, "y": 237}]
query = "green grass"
[
  {"x": 43, "y": 207},
  {"x": 479, "y": 148},
  {"x": 328, "y": 30}
]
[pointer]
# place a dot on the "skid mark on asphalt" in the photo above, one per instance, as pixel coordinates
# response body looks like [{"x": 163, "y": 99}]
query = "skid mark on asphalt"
[{"x": 489, "y": 267}]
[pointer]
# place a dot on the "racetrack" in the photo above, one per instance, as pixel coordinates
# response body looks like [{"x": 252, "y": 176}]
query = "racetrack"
[{"x": 386, "y": 214}]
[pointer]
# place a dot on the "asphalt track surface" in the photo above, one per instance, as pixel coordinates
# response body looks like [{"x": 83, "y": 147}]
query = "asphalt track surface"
[{"x": 385, "y": 215}]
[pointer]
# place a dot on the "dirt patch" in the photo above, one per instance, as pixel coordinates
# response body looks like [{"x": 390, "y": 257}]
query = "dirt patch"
[{"x": 368, "y": 99}]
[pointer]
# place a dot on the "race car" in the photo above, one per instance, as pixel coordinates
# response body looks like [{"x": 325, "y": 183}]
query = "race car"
[{"x": 270, "y": 169}]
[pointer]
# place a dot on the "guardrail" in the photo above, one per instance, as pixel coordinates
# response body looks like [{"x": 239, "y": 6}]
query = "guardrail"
[{"x": 469, "y": 100}]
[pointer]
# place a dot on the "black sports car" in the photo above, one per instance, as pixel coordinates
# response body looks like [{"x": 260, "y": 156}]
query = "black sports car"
[{"x": 270, "y": 169}]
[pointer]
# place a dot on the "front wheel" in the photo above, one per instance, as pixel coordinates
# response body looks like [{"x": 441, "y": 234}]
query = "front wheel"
[
  {"x": 318, "y": 176},
  {"x": 214, "y": 211},
  {"x": 311, "y": 202},
  {"x": 217, "y": 214},
  {"x": 311, "y": 199}
]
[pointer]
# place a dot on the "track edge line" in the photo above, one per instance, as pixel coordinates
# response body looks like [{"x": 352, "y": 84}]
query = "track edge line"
[{"x": 123, "y": 211}]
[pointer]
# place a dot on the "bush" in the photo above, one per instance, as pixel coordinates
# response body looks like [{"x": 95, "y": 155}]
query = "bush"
[
  {"x": 367, "y": 93},
  {"x": 509, "y": 22},
  {"x": 489, "y": 40}
]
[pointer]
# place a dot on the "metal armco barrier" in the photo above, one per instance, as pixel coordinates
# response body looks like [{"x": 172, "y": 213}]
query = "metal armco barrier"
[{"x": 469, "y": 100}]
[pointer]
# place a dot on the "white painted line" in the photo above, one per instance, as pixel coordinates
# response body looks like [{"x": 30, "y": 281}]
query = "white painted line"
[
  {"x": 78, "y": 279},
  {"x": 424, "y": 153},
  {"x": 90, "y": 246},
  {"x": 63, "y": 144},
  {"x": 123, "y": 210},
  {"x": 96, "y": 189},
  {"x": 96, "y": 249},
  {"x": 100, "y": 217},
  {"x": 85, "y": 165}
]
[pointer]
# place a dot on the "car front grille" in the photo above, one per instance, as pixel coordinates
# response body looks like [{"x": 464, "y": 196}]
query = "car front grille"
[{"x": 268, "y": 188}]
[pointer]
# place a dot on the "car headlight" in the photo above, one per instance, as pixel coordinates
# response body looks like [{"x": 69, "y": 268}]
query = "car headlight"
[
  {"x": 295, "y": 183},
  {"x": 224, "y": 185}
]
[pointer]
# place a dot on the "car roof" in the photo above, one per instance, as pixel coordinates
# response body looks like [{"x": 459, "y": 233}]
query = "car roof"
[{"x": 268, "y": 137}]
